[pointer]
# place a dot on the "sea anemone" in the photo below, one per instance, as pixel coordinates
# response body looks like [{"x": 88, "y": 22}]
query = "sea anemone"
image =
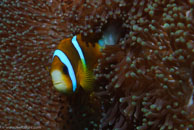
[
  {"x": 148, "y": 77},
  {"x": 144, "y": 82},
  {"x": 26, "y": 42},
  {"x": 30, "y": 31}
]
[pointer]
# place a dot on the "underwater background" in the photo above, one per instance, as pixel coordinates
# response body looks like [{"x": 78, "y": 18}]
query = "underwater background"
[{"x": 144, "y": 82}]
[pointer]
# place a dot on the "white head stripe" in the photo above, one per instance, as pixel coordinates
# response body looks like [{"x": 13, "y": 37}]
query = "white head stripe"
[
  {"x": 77, "y": 47},
  {"x": 64, "y": 59}
]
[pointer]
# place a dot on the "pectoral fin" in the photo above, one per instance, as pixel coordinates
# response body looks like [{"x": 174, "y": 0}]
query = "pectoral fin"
[{"x": 86, "y": 77}]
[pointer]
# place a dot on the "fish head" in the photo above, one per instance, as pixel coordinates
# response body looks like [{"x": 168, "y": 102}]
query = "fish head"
[{"x": 61, "y": 76}]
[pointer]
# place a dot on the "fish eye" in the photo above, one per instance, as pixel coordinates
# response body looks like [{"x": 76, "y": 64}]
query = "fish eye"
[{"x": 65, "y": 69}]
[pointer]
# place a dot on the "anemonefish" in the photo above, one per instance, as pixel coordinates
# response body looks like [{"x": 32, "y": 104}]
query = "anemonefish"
[{"x": 74, "y": 61}]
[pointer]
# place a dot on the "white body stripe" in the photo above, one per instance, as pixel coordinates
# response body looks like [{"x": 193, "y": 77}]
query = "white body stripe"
[
  {"x": 65, "y": 60},
  {"x": 77, "y": 47}
]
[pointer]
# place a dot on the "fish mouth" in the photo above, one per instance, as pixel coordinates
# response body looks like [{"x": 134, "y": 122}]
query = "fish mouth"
[
  {"x": 60, "y": 86},
  {"x": 58, "y": 83}
]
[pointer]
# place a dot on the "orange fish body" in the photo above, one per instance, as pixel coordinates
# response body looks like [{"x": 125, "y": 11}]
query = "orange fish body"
[
  {"x": 73, "y": 64},
  {"x": 74, "y": 60}
]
